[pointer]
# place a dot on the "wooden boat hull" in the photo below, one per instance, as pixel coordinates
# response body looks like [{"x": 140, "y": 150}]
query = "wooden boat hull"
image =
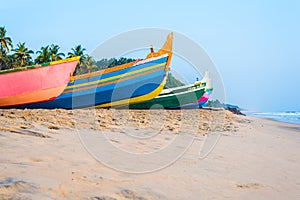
[
  {"x": 173, "y": 98},
  {"x": 113, "y": 87},
  {"x": 36, "y": 83}
]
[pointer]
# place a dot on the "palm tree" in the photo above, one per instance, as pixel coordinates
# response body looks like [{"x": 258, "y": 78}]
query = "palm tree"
[
  {"x": 55, "y": 55},
  {"x": 5, "y": 42},
  {"x": 90, "y": 63},
  {"x": 11, "y": 62},
  {"x": 22, "y": 53},
  {"x": 77, "y": 51},
  {"x": 3, "y": 59},
  {"x": 43, "y": 55}
]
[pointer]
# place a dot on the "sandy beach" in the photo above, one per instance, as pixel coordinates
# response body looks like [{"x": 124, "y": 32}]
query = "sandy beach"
[{"x": 138, "y": 154}]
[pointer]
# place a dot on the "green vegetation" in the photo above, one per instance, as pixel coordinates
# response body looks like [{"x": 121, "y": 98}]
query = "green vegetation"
[
  {"x": 5, "y": 45},
  {"x": 43, "y": 55},
  {"x": 78, "y": 51},
  {"x": 88, "y": 64},
  {"x": 217, "y": 104},
  {"x": 55, "y": 54},
  {"x": 48, "y": 54},
  {"x": 22, "y": 56},
  {"x": 5, "y": 42},
  {"x": 173, "y": 82}
]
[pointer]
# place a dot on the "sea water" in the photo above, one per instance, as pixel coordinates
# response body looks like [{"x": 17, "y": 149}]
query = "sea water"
[{"x": 288, "y": 116}]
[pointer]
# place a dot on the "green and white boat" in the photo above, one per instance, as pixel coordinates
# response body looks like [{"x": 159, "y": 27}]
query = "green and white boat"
[{"x": 176, "y": 97}]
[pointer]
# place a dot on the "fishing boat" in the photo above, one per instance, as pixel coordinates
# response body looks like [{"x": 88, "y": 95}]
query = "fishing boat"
[
  {"x": 36, "y": 83},
  {"x": 205, "y": 97},
  {"x": 200, "y": 103},
  {"x": 133, "y": 82},
  {"x": 178, "y": 97}
]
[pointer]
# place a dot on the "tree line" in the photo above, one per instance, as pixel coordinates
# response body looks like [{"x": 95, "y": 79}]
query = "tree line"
[{"x": 21, "y": 56}]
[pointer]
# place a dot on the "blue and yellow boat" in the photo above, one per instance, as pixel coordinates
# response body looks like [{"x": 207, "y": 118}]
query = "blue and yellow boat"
[{"x": 117, "y": 86}]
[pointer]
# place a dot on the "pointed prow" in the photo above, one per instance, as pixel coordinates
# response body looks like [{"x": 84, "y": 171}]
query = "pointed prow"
[{"x": 165, "y": 49}]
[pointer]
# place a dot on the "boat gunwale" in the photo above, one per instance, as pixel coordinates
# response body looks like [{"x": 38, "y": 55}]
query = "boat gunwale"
[
  {"x": 180, "y": 93},
  {"x": 169, "y": 90}
]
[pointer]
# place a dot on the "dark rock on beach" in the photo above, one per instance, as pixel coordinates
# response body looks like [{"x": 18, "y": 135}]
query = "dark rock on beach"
[{"x": 235, "y": 111}]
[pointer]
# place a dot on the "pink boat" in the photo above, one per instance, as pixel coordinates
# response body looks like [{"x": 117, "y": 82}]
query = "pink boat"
[{"x": 35, "y": 83}]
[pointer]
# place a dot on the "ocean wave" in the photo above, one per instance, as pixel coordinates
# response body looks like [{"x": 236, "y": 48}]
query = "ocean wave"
[
  {"x": 288, "y": 113},
  {"x": 287, "y": 116}
]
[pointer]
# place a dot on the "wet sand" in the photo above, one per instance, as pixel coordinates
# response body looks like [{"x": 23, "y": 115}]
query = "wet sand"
[{"x": 137, "y": 154}]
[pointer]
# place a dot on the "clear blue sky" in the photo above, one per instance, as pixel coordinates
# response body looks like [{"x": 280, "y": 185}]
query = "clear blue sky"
[{"x": 254, "y": 44}]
